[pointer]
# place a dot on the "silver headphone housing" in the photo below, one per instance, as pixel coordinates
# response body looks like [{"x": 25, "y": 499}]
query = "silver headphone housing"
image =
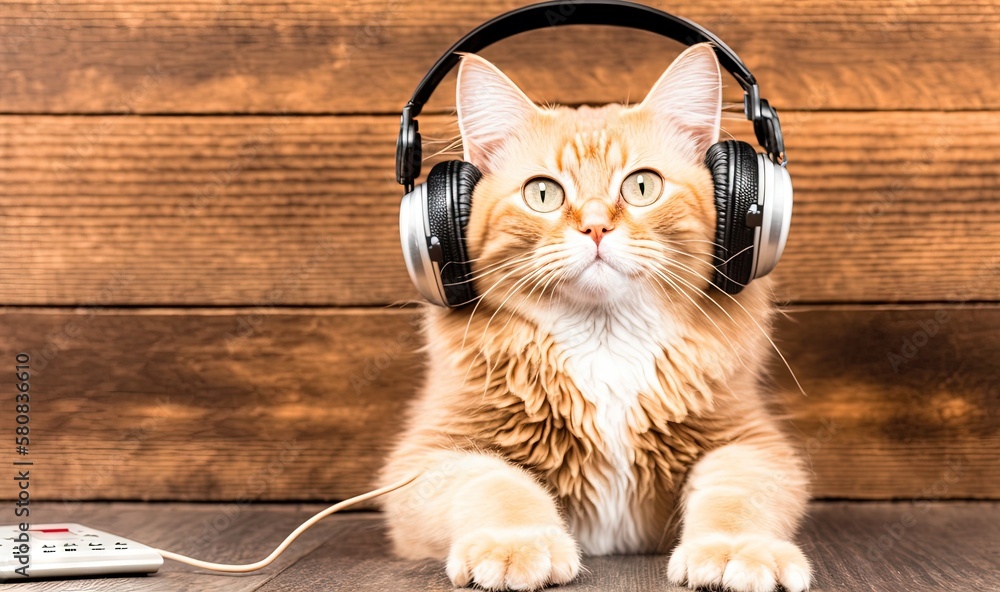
[
  {"x": 415, "y": 237},
  {"x": 774, "y": 198}
]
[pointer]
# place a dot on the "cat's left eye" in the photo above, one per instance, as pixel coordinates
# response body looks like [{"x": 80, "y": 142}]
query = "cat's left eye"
[
  {"x": 543, "y": 194},
  {"x": 642, "y": 188}
]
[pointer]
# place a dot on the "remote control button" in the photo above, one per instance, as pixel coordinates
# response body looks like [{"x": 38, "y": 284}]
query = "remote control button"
[{"x": 49, "y": 529}]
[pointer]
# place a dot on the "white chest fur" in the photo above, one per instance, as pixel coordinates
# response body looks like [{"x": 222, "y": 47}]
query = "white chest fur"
[{"x": 611, "y": 357}]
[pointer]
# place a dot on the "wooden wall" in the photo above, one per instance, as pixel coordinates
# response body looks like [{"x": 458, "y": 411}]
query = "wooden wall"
[{"x": 198, "y": 232}]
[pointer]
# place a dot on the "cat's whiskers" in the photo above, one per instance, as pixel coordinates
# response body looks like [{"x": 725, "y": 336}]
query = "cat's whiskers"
[
  {"x": 723, "y": 261},
  {"x": 698, "y": 240},
  {"x": 664, "y": 262},
  {"x": 551, "y": 274},
  {"x": 496, "y": 267},
  {"x": 654, "y": 251},
  {"x": 654, "y": 247},
  {"x": 657, "y": 246},
  {"x": 754, "y": 321},
  {"x": 555, "y": 288},
  {"x": 737, "y": 254},
  {"x": 556, "y": 273},
  {"x": 539, "y": 250},
  {"x": 657, "y": 286},
  {"x": 533, "y": 259},
  {"x": 532, "y": 254},
  {"x": 677, "y": 264},
  {"x": 533, "y": 276},
  {"x": 509, "y": 294},
  {"x": 670, "y": 281},
  {"x": 472, "y": 315},
  {"x": 451, "y": 147},
  {"x": 699, "y": 290}
]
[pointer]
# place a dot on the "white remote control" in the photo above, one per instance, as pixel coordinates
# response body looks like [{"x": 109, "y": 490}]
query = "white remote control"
[{"x": 70, "y": 550}]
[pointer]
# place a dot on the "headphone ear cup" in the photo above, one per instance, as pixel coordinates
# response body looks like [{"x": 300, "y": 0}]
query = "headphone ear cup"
[
  {"x": 449, "y": 201},
  {"x": 733, "y": 165}
]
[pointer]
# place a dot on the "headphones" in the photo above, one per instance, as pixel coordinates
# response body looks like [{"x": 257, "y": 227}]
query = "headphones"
[{"x": 753, "y": 192}]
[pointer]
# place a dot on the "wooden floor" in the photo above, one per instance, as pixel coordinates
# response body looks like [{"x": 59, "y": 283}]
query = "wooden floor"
[{"x": 878, "y": 547}]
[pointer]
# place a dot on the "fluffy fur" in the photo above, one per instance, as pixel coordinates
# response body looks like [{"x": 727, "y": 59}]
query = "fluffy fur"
[{"x": 600, "y": 396}]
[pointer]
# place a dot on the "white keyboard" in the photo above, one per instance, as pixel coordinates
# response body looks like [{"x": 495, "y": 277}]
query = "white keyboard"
[{"x": 71, "y": 550}]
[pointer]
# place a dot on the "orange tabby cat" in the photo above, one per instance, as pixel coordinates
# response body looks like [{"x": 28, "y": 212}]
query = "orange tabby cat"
[{"x": 600, "y": 396}]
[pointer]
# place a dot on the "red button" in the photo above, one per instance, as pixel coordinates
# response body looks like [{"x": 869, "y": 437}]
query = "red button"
[{"x": 48, "y": 530}]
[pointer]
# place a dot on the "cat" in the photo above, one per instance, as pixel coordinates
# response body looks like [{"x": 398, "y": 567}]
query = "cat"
[{"x": 600, "y": 396}]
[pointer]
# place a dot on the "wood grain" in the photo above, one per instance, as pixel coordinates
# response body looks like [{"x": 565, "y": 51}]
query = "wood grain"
[
  {"x": 202, "y": 56},
  {"x": 936, "y": 546},
  {"x": 280, "y": 405},
  {"x": 277, "y": 210},
  {"x": 917, "y": 547},
  {"x": 880, "y": 380},
  {"x": 945, "y": 547}
]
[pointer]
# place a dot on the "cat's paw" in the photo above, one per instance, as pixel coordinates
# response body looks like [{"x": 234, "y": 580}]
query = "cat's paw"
[
  {"x": 740, "y": 563},
  {"x": 517, "y": 558}
]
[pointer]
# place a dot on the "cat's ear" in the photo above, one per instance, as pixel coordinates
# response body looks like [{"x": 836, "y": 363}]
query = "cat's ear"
[
  {"x": 689, "y": 93},
  {"x": 489, "y": 107}
]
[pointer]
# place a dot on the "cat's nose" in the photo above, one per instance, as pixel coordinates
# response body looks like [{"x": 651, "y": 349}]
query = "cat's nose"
[{"x": 595, "y": 220}]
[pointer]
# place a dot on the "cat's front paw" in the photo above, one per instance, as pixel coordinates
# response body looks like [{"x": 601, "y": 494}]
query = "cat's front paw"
[
  {"x": 516, "y": 558},
  {"x": 740, "y": 563}
]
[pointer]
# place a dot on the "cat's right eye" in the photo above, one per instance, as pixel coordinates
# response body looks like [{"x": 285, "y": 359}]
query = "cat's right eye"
[
  {"x": 642, "y": 188},
  {"x": 543, "y": 194}
]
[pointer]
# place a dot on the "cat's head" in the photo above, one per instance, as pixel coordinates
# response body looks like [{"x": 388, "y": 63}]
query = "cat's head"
[{"x": 592, "y": 206}]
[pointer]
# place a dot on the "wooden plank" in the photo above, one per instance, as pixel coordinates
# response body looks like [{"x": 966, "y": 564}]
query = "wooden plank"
[
  {"x": 201, "y": 56},
  {"x": 301, "y": 405},
  {"x": 881, "y": 380},
  {"x": 945, "y": 547},
  {"x": 222, "y": 533},
  {"x": 303, "y": 210},
  {"x": 931, "y": 547},
  {"x": 935, "y": 547},
  {"x": 917, "y": 547}
]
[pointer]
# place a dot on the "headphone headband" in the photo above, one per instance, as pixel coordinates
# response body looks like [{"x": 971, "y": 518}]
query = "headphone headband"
[
  {"x": 580, "y": 12},
  {"x": 558, "y": 13}
]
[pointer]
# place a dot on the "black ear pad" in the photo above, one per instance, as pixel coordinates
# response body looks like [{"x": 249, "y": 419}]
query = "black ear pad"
[
  {"x": 734, "y": 171},
  {"x": 449, "y": 201}
]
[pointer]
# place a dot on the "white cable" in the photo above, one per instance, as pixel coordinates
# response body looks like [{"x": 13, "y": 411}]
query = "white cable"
[{"x": 288, "y": 541}]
